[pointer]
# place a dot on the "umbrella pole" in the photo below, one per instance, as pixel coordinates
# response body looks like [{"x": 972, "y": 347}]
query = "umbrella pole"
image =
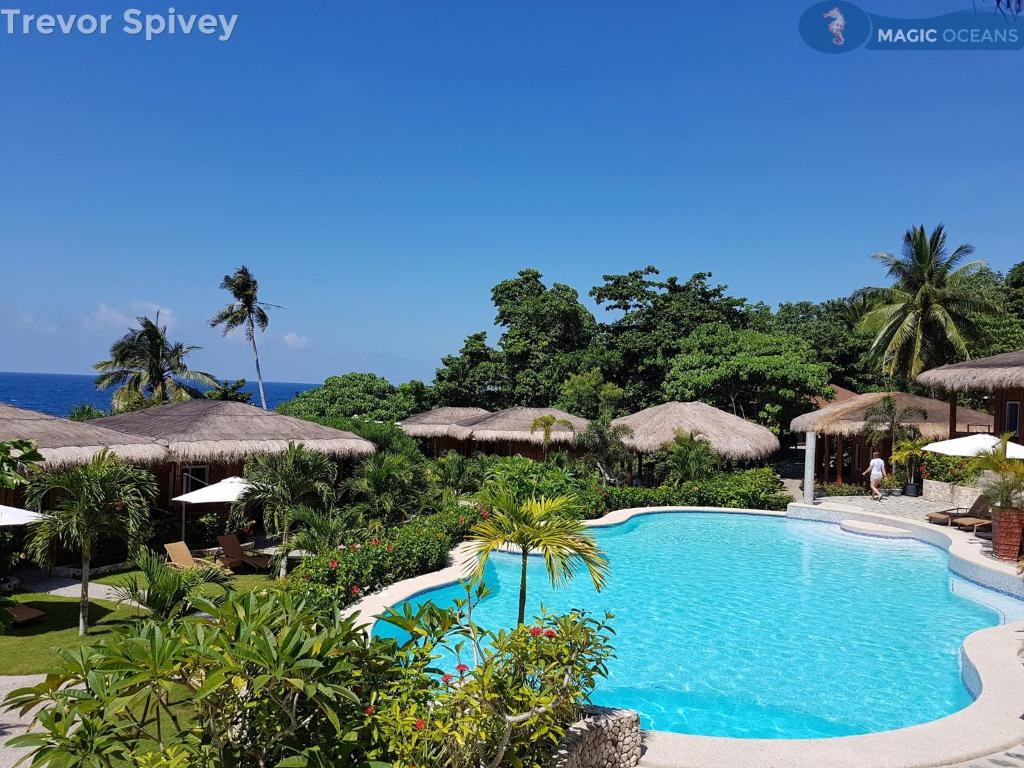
[{"x": 183, "y": 521}]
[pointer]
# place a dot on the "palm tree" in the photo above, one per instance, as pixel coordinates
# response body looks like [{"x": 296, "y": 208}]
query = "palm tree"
[
  {"x": 245, "y": 311},
  {"x": 320, "y": 531},
  {"x": 149, "y": 369},
  {"x": 603, "y": 442},
  {"x": 688, "y": 457},
  {"x": 546, "y": 424},
  {"x": 384, "y": 485},
  {"x": 280, "y": 482},
  {"x": 885, "y": 420},
  {"x": 102, "y": 500},
  {"x": 167, "y": 593},
  {"x": 928, "y": 317},
  {"x": 536, "y": 525}
]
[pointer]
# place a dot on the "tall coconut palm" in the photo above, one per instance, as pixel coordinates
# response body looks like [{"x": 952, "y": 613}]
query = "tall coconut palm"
[
  {"x": 928, "y": 316},
  {"x": 536, "y": 525},
  {"x": 102, "y": 500},
  {"x": 245, "y": 311},
  {"x": 546, "y": 425},
  {"x": 148, "y": 369},
  {"x": 280, "y": 482}
]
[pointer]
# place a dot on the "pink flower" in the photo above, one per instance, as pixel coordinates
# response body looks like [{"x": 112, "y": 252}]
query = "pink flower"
[
  {"x": 446, "y": 678},
  {"x": 355, "y": 589},
  {"x": 485, "y": 514},
  {"x": 341, "y": 547},
  {"x": 462, "y": 669},
  {"x": 421, "y": 725},
  {"x": 334, "y": 565},
  {"x": 375, "y": 542},
  {"x": 535, "y": 631},
  {"x": 356, "y": 546}
]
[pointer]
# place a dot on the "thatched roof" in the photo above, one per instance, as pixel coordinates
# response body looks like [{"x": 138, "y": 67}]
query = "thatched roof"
[
  {"x": 839, "y": 394},
  {"x": 730, "y": 436},
  {"x": 1005, "y": 371},
  {"x": 847, "y": 418},
  {"x": 63, "y": 442},
  {"x": 443, "y": 422},
  {"x": 513, "y": 425},
  {"x": 219, "y": 431}
]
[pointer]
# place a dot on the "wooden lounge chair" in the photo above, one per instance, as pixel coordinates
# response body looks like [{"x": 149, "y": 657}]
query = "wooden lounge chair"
[
  {"x": 23, "y": 614},
  {"x": 946, "y": 516},
  {"x": 180, "y": 556},
  {"x": 973, "y": 523},
  {"x": 234, "y": 555}
]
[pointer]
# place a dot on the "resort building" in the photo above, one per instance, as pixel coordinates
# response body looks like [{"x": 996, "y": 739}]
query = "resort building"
[
  {"x": 1000, "y": 375},
  {"x": 209, "y": 440},
  {"x": 843, "y": 453},
  {"x": 443, "y": 429}
]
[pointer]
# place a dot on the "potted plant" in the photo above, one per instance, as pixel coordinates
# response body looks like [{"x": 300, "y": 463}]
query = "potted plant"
[
  {"x": 1004, "y": 493},
  {"x": 908, "y": 454},
  {"x": 890, "y": 486}
]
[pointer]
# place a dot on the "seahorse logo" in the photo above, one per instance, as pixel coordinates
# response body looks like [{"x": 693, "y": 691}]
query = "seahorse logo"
[{"x": 836, "y": 26}]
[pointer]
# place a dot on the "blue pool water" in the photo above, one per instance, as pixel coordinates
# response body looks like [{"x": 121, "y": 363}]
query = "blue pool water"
[{"x": 759, "y": 627}]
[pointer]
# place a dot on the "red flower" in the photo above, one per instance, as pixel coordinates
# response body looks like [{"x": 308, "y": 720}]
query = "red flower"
[
  {"x": 549, "y": 633},
  {"x": 462, "y": 669},
  {"x": 446, "y": 678},
  {"x": 355, "y": 589},
  {"x": 391, "y": 547},
  {"x": 334, "y": 565},
  {"x": 421, "y": 725},
  {"x": 535, "y": 631},
  {"x": 462, "y": 519},
  {"x": 369, "y": 711},
  {"x": 375, "y": 542},
  {"x": 485, "y": 514}
]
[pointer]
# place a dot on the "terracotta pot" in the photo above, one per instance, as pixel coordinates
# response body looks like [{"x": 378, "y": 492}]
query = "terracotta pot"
[{"x": 1008, "y": 527}]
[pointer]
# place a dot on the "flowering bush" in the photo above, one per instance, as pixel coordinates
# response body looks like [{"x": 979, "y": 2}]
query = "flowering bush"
[
  {"x": 745, "y": 489},
  {"x": 949, "y": 469},
  {"x": 419, "y": 546}
]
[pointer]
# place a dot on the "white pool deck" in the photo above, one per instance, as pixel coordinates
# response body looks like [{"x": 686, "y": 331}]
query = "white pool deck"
[{"x": 986, "y": 734}]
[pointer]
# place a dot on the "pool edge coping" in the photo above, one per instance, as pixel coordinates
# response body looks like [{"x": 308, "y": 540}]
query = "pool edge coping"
[{"x": 991, "y": 660}]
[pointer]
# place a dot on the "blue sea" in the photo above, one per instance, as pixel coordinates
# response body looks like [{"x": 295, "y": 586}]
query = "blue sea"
[{"x": 59, "y": 393}]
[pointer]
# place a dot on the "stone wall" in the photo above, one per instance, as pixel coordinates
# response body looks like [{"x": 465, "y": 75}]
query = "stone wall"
[
  {"x": 955, "y": 495},
  {"x": 605, "y": 738}
]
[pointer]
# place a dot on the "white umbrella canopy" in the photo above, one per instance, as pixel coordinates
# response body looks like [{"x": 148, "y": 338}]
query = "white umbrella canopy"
[
  {"x": 224, "y": 492},
  {"x": 974, "y": 445},
  {"x": 10, "y": 516}
]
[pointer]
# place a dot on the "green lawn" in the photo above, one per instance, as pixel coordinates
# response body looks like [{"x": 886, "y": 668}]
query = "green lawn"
[
  {"x": 244, "y": 582},
  {"x": 32, "y": 648}
]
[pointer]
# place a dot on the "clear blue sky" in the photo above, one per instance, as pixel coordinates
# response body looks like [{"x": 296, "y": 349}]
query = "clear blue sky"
[{"x": 380, "y": 164}]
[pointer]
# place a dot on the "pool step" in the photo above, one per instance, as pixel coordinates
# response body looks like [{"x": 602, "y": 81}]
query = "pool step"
[{"x": 873, "y": 529}]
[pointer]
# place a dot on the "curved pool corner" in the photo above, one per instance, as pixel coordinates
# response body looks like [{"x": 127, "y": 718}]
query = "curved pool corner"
[{"x": 991, "y": 668}]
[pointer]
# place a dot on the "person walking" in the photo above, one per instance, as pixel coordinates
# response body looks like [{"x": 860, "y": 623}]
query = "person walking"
[{"x": 877, "y": 469}]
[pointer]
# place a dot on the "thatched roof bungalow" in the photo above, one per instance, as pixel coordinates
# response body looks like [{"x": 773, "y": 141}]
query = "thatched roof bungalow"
[
  {"x": 63, "y": 442},
  {"x": 730, "y": 436},
  {"x": 443, "y": 422},
  {"x": 515, "y": 425},
  {"x": 213, "y": 431},
  {"x": 847, "y": 418},
  {"x": 843, "y": 422},
  {"x": 1002, "y": 375}
]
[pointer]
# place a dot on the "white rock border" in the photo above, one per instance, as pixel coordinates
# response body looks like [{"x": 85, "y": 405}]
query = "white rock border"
[{"x": 991, "y": 666}]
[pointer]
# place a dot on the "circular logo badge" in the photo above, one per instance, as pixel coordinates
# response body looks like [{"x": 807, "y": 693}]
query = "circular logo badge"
[{"x": 834, "y": 27}]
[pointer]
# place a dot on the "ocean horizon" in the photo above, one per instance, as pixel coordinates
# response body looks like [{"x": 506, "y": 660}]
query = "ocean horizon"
[{"x": 59, "y": 393}]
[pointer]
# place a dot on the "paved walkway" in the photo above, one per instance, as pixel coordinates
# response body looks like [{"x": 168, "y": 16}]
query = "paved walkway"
[
  {"x": 11, "y": 724},
  {"x": 63, "y": 586}
]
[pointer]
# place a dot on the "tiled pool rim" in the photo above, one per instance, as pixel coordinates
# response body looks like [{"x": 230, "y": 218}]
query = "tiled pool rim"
[{"x": 991, "y": 661}]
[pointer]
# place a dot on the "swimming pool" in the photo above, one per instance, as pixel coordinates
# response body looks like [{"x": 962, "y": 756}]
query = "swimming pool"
[{"x": 764, "y": 627}]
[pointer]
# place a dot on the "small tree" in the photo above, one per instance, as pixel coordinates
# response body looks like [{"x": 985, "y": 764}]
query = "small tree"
[
  {"x": 102, "y": 500},
  {"x": 885, "y": 420},
  {"x": 537, "y": 525},
  {"x": 279, "y": 482},
  {"x": 604, "y": 443},
  {"x": 17, "y": 459},
  {"x": 689, "y": 457},
  {"x": 546, "y": 425},
  {"x": 168, "y": 593}
]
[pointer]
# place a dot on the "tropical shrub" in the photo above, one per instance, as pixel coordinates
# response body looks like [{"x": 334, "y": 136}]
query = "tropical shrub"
[
  {"x": 338, "y": 579},
  {"x": 957, "y": 470},
  {"x": 167, "y": 593},
  {"x": 389, "y": 487},
  {"x": 837, "y": 489},
  {"x": 746, "y": 489},
  {"x": 526, "y": 478}
]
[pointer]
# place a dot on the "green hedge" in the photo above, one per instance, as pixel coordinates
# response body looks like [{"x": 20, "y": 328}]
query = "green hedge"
[
  {"x": 949, "y": 469},
  {"x": 745, "y": 489},
  {"x": 835, "y": 489},
  {"x": 419, "y": 546}
]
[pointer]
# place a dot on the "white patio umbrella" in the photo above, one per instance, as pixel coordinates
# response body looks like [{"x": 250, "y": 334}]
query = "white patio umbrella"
[
  {"x": 225, "y": 492},
  {"x": 974, "y": 445},
  {"x": 10, "y": 516}
]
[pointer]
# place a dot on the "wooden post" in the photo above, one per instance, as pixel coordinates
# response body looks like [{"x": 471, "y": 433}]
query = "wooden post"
[
  {"x": 952, "y": 415},
  {"x": 840, "y": 448}
]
